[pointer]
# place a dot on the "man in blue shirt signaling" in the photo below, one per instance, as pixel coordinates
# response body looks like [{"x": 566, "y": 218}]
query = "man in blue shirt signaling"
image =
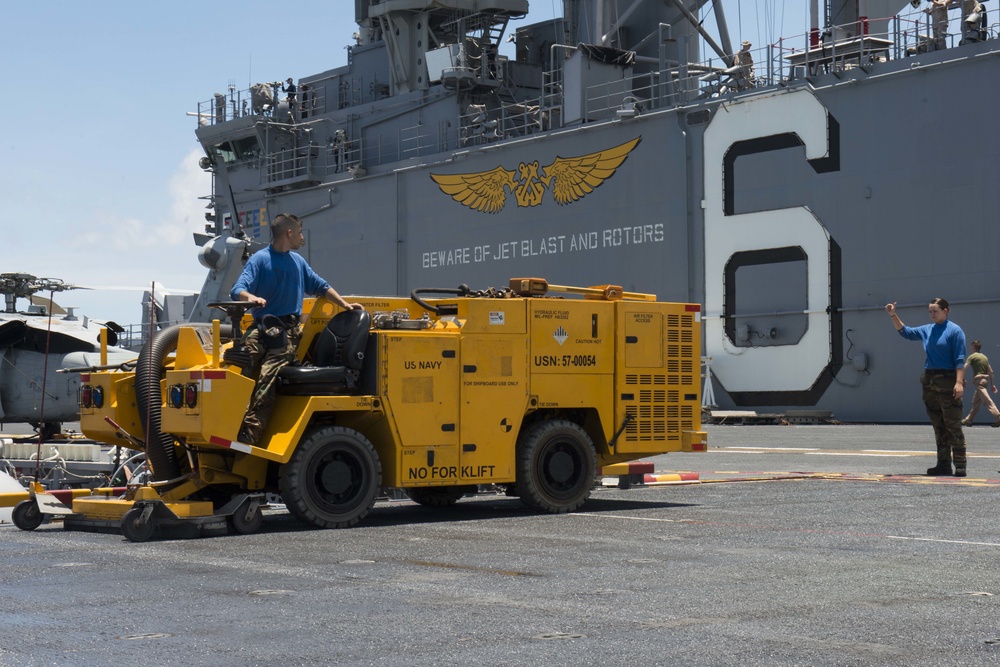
[
  {"x": 275, "y": 280},
  {"x": 942, "y": 380}
]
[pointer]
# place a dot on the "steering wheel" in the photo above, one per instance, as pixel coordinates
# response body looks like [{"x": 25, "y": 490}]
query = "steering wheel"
[{"x": 235, "y": 310}]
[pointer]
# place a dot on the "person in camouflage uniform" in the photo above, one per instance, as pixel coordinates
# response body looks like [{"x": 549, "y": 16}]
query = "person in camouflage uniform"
[
  {"x": 275, "y": 280},
  {"x": 943, "y": 380},
  {"x": 265, "y": 362},
  {"x": 938, "y": 10}
]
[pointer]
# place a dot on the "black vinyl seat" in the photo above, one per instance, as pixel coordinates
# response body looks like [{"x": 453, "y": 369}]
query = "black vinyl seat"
[{"x": 337, "y": 358}]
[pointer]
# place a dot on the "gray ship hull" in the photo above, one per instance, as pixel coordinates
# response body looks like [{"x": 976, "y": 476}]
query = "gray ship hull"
[{"x": 793, "y": 213}]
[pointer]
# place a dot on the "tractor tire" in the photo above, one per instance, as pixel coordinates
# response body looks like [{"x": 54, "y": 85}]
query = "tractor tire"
[
  {"x": 332, "y": 479},
  {"x": 556, "y": 466}
]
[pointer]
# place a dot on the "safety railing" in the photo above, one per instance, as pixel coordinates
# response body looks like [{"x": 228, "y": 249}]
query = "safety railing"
[
  {"x": 870, "y": 41},
  {"x": 134, "y": 336},
  {"x": 263, "y": 99},
  {"x": 839, "y": 48}
]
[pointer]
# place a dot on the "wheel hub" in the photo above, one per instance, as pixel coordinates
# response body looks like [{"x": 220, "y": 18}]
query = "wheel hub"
[
  {"x": 561, "y": 467},
  {"x": 336, "y": 477}
]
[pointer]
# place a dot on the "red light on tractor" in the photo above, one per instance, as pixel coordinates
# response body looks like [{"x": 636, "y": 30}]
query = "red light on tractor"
[
  {"x": 86, "y": 396},
  {"x": 191, "y": 395}
]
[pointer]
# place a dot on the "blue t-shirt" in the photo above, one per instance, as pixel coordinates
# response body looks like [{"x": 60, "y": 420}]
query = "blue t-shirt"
[
  {"x": 281, "y": 278},
  {"x": 944, "y": 344}
]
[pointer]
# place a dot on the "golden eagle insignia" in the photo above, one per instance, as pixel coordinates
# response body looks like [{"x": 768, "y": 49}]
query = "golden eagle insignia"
[{"x": 569, "y": 178}]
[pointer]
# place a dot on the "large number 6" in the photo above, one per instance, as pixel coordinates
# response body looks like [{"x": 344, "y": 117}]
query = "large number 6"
[{"x": 796, "y": 374}]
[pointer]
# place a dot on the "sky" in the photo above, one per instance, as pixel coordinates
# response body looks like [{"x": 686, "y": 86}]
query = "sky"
[{"x": 99, "y": 171}]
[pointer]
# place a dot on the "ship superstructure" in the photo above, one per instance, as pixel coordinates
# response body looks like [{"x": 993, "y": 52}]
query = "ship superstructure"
[{"x": 792, "y": 189}]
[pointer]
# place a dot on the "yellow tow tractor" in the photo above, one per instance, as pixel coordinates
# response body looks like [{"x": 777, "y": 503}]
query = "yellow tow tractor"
[{"x": 532, "y": 388}]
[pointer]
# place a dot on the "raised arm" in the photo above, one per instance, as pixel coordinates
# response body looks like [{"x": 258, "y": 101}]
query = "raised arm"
[{"x": 891, "y": 309}]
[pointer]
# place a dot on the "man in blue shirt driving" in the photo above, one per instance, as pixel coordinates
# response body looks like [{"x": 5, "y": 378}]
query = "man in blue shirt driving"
[{"x": 275, "y": 280}]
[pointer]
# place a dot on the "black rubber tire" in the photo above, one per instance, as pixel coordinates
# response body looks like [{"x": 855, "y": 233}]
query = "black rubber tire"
[
  {"x": 556, "y": 466},
  {"x": 135, "y": 531},
  {"x": 438, "y": 496},
  {"x": 332, "y": 479},
  {"x": 241, "y": 525},
  {"x": 26, "y": 515}
]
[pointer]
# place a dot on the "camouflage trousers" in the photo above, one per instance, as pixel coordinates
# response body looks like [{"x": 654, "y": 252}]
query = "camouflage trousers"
[
  {"x": 945, "y": 413},
  {"x": 265, "y": 363},
  {"x": 939, "y": 29}
]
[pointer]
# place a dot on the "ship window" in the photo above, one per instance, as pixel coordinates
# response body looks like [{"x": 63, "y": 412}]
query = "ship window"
[
  {"x": 239, "y": 150},
  {"x": 226, "y": 151}
]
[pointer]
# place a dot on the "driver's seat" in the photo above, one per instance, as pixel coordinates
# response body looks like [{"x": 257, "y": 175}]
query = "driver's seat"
[{"x": 337, "y": 358}]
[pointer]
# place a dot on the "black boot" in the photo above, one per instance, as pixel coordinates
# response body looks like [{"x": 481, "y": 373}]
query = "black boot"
[
  {"x": 959, "y": 472},
  {"x": 939, "y": 470}
]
